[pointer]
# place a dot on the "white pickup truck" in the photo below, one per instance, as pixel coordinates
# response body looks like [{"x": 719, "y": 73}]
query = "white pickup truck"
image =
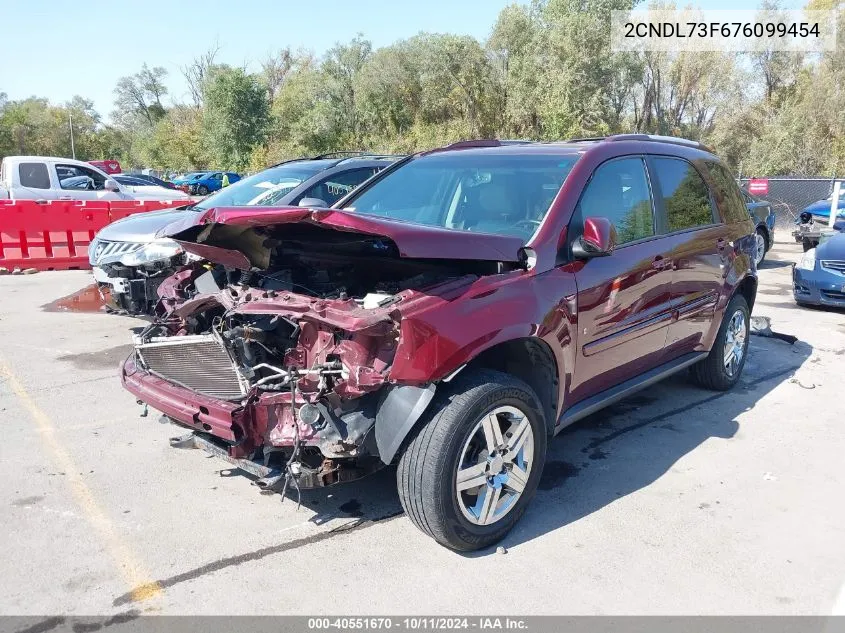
[{"x": 48, "y": 178}]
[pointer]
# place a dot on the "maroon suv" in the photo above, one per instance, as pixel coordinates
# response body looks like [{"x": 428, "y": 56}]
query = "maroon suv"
[{"x": 451, "y": 315}]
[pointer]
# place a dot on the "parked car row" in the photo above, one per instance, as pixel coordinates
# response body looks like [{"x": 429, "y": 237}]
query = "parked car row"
[
  {"x": 448, "y": 311},
  {"x": 201, "y": 183}
]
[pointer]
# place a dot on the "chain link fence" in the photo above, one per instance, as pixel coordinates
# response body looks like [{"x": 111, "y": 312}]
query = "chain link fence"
[{"x": 789, "y": 196}]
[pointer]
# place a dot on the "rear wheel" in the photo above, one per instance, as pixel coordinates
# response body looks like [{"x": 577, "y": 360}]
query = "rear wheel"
[
  {"x": 807, "y": 244},
  {"x": 469, "y": 473},
  {"x": 761, "y": 245},
  {"x": 723, "y": 366}
]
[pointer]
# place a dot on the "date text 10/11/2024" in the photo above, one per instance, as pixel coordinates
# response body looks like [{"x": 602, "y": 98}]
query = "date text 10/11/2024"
[{"x": 418, "y": 623}]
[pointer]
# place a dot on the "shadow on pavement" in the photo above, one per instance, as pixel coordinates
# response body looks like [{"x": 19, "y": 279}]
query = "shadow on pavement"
[{"x": 604, "y": 457}]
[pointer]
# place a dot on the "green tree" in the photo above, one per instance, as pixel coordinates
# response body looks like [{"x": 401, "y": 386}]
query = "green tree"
[
  {"x": 235, "y": 116},
  {"x": 138, "y": 96}
]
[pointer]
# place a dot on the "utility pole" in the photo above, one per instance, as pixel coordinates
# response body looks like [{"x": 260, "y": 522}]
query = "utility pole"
[{"x": 70, "y": 122}]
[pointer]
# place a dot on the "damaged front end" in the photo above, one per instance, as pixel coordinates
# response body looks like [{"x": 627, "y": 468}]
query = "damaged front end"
[{"x": 278, "y": 353}]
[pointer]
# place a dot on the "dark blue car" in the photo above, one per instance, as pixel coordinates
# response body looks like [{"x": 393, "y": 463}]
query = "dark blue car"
[
  {"x": 201, "y": 183},
  {"x": 819, "y": 278}
]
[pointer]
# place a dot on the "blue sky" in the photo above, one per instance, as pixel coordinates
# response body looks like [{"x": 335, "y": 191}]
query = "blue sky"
[{"x": 56, "y": 52}]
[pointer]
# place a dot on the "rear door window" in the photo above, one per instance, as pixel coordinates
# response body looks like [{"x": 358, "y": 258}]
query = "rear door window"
[
  {"x": 686, "y": 197},
  {"x": 34, "y": 175},
  {"x": 619, "y": 191}
]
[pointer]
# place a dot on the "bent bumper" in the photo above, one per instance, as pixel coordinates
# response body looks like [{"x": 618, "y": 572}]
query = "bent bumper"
[
  {"x": 242, "y": 432},
  {"x": 222, "y": 419}
]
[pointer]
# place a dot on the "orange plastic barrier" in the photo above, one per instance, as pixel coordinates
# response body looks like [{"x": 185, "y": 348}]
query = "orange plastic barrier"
[{"x": 55, "y": 235}]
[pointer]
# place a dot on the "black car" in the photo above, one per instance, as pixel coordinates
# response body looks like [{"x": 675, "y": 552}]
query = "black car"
[{"x": 144, "y": 180}]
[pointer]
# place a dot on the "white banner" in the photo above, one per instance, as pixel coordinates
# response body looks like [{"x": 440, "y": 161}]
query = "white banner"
[{"x": 733, "y": 30}]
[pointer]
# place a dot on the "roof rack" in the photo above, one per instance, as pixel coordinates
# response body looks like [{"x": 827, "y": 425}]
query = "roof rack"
[
  {"x": 676, "y": 140},
  {"x": 339, "y": 154},
  {"x": 479, "y": 142}
]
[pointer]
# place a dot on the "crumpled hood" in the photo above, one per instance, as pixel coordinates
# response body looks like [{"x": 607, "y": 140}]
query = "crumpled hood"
[
  {"x": 234, "y": 234},
  {"x": 142, "y": 227}
]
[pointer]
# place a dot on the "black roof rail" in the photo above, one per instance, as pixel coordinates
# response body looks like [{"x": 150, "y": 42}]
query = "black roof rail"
[
  {"x": 586, "y": 139},
  {"x": 339, "y": 154},
  {"x": 372, "y": 157},
  {"x": 479, "y": 142}
]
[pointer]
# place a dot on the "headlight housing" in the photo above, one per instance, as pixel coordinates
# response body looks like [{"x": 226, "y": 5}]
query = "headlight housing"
[
  {"x": 808, "y": 261},
  {"x": 158, "y": 250}
]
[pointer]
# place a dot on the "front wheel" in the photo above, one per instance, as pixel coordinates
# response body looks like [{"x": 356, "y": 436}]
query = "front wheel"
[
  {"x": 202, "y": 190},
  {"x": 723, "y": 366},
  {"x": 469, "y": 473}
]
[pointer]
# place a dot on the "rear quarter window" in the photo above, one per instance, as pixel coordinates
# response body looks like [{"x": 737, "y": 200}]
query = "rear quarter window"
[
  {"x": 34, "y": 175},
  {"x": 686, "y": 197},
  {"x": 728, "y": 196}
]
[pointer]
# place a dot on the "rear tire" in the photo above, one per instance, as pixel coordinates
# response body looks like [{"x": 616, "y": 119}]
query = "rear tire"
[
  {"x": 807, "y": 244},
  {"x": 762, "y": 246},
  {"x": 715, "y": 372},
  {"x": 452, "y": 450}
]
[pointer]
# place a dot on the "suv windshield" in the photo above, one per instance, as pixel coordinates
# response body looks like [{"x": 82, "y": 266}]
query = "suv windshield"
[
  {"x": 263, "y": 189},
  {"x": 507, "y": 194}
]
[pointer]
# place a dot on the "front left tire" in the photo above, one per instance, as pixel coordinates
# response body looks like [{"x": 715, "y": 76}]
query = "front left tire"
[{"x": 467, "y": 476}]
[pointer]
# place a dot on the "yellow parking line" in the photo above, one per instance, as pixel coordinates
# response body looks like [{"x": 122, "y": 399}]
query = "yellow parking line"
[{"x": 128, "y": 564}]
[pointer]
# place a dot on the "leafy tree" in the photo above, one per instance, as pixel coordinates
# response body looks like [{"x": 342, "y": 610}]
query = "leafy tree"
[
  {"x": 235, "y": 116},
  {"x": 139, "y": 96}
]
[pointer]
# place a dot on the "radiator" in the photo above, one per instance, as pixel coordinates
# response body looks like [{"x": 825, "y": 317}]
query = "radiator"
[{"x": 198, "y": 362}]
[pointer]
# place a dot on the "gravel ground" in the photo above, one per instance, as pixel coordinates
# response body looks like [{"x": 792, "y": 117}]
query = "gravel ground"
[{"x": 675, "y": 501}]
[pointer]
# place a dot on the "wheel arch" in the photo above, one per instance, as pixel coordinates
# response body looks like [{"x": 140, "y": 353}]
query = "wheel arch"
[
  {"x": 531, "y": 360},
  {"x": 763, "y": 227},
  {"x": 748, "y": 289}
]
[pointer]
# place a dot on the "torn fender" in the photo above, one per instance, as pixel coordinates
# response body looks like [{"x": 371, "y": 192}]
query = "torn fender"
[{"x": 400, "y": 410}]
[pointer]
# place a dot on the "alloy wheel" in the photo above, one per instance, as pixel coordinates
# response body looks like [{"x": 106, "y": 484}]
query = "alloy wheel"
[
  {"x": 495, "y": 465},
  {"x": 760, "y": 248},
  {"x": 735, "y": 337}
]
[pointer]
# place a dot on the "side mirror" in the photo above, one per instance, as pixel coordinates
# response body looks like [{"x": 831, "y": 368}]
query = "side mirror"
[
  {"x": 597, "y": 240},
  {"x": 111, "y": 185},
  {"x": 313, "y": 202}
]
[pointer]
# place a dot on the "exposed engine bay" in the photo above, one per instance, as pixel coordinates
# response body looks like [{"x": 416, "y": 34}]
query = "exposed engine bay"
[{"x": 295, "y": 354}]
